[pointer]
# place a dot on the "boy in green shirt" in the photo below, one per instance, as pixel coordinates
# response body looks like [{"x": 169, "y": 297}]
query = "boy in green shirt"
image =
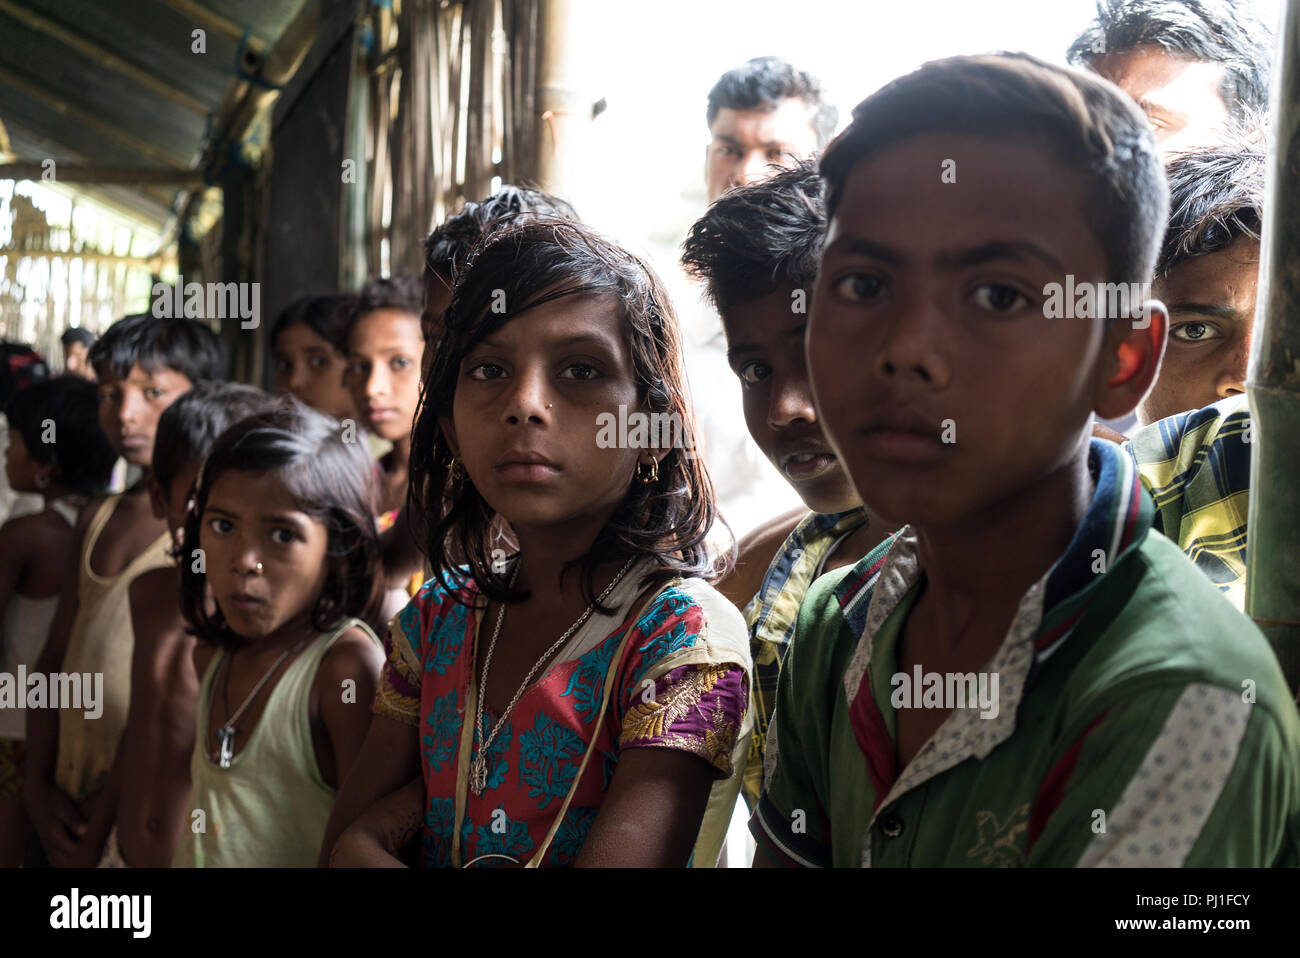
[{"x": 1024, "y": 675}]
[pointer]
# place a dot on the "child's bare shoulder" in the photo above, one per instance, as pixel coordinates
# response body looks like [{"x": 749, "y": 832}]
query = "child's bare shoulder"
[
  {"x": 755, "y": 553},
  {"x": 155, "y": 584},
  {"x": 155, "y": 608},
  {"x": 19, "y": 533},
  {"x": 354, "y": 650}
]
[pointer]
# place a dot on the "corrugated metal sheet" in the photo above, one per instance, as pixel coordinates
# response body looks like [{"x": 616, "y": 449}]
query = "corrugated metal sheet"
[{"x": 89, "y": 82}]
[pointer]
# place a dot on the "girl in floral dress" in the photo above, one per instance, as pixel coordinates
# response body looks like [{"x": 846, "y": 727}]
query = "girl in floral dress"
[{"x": 584, "y": 700}]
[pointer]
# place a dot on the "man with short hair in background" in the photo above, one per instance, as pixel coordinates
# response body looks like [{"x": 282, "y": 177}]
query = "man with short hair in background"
[
  {"x": 762, "y": 113},
  {"x": 1193, "y": 66}
]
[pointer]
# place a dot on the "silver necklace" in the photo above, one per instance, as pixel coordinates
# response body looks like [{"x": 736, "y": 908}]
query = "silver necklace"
[
  {"x": 226, "y": 734},
  {"x": 478, "y": 767}
]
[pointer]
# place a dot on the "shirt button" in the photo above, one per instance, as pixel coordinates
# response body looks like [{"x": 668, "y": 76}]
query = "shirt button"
[{"x": 891, "y": 825}]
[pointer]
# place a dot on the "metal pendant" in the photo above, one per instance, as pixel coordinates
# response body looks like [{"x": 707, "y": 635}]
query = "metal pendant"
[
  {"x": 477, "y": 775},
  {"x": 226, "y": 736}
]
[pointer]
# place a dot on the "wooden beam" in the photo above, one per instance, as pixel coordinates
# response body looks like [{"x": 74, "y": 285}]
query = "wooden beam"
[
  {"x": 119, "y": 176},
  {"x": 209, "y": 19},
  {"x": 21, "y": 251},
  {"x": 105, "y": 58},
  {"x": 36, "y": 92}
]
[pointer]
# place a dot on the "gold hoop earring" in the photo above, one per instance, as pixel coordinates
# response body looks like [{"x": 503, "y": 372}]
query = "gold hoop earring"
[
  {"x": 650, "y": 475},
  {"x": 457, "y": 470}
]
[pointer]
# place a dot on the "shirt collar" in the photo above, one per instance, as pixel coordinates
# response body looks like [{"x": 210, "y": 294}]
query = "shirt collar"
[{"x": 1113, "y": 527}]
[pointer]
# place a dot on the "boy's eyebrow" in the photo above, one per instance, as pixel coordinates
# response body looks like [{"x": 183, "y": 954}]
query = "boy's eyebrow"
[
  {"x": 740, "y": 349},
  {"x": 860, "y": 246},
  {"x": 1215, "y": 310},
  {"x": 224, "y": 512},
  {"x": 995, "y": 250},
  {"x": 726, "y": 139},
  {"x": 949, "y": 259}
]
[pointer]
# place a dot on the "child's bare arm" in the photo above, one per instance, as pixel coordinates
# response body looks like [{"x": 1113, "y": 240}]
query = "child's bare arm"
[
  {"x": 100, "y": 811},
  {"x": 54, "y": 815},
  {"x": 159, "y": 737},
  {"x": 15, "y": 549},
  {"x": 651, "y": 816},
  {"x": 754, "y": 554},
  {"x": 345, "y": 684},
  {"x": 376, "y": 839},
  {"x": 389, "y": 758}
]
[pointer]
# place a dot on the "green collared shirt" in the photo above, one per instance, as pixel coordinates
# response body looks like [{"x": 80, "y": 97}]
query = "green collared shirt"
[{"x": 1140, "y": 719}]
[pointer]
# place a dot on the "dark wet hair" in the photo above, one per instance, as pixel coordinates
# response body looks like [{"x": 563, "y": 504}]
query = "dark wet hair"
[
  {"x": 80, "y": 451},
  {"x": 326, "y": 315},
  {"x": 762, "y": 83},
  {"x": 759, "y": 238},
  {"x": 1209, "y": 31},
  {"x": 448, "y": 245},
  {"x": 1216, "y": 196},
  {"x": 77, "y": 334},
  {"x": 1088, "y": 124},
  {"x": 189, "y": 426},
  {"x": 535, "y": 262},
  {"x": 182, "y": 345},
  {"x": 330, "y": 479}
]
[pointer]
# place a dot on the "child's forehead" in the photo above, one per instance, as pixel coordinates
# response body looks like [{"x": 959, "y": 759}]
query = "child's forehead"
[
  {"x": 274, "y": 496},
  {"x": 948, "y": 195},
  {"x": 782, "y": 309},
  {"x": 301, "y": 335},
  {"x": 141, "y": 373},
  {"x": 568, "y": 320}
]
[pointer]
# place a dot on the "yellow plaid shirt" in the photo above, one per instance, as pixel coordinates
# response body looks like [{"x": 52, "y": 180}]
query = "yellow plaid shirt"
[{"x": 1196, "y": 466}]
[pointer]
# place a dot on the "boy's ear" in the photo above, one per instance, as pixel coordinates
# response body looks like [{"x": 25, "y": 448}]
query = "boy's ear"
[
  {"x": 157, "y": 498},
  {"x": 1132, "y": 353}
]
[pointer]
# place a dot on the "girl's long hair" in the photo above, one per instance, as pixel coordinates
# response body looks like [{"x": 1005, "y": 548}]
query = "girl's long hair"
[
  {"x": 331, "y": 479},
  {"x": 528, "y": 263}
]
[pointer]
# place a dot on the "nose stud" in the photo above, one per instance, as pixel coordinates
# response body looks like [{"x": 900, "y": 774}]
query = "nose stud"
[{"x": 259, "y": 568}]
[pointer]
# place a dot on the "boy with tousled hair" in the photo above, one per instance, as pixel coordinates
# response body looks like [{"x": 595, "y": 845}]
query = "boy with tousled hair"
[
  {"x": 757, "y": 250},
  {"x": 144, "y": 363},
  {"x": 150, "y": 780},
  {"x": 1135, "y": 718},
  {"x": 1207, "y": 276},
  {"x": 1194, "y": 453}
]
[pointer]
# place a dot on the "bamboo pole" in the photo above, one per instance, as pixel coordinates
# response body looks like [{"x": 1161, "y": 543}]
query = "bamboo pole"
[
  {"x": 559, "y": 104},
  {"x": 1273, "y": 383}
]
